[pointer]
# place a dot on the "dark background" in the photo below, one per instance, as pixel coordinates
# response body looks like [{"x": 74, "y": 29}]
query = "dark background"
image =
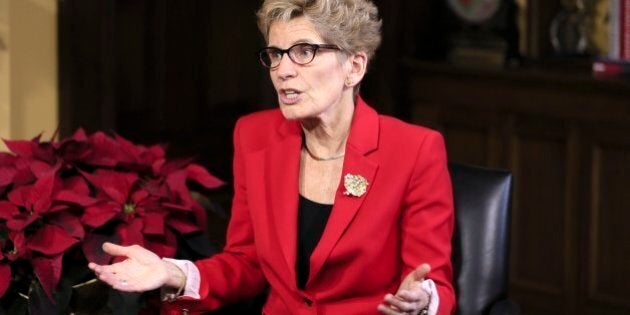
[{"x": 181, "y": 72}]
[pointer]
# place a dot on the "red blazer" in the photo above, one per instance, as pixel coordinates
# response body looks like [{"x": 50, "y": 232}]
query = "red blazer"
[{"x": 370, "y": 243}]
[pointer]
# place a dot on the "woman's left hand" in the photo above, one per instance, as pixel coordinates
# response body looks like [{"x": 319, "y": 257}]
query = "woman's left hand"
[
  {"x": 410, "y": 297},
  {"x": 142, "y": 270}
]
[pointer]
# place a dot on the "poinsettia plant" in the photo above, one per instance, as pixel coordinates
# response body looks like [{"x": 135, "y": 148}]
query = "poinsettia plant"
[{"x": 61, "y": 199}]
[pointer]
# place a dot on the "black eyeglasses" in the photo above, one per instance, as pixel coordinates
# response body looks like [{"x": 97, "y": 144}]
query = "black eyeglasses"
[{"x": 301, "y": 54}]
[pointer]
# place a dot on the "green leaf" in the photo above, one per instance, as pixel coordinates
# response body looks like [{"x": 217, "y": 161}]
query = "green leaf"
[
  {"x": 62, "y": 295},
  {"x": 14, "y": 304},
  {"x": 91, "y": 298},
  {"x": 38, "y": 301}
]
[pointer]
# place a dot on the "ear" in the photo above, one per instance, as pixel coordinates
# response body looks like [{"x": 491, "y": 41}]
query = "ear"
[{"x": 358, "y": 66}]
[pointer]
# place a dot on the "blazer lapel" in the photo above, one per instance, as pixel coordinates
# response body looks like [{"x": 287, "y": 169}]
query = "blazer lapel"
[
  {"x": 282, "y": 163},
  {"x": 362, "y": 140}
]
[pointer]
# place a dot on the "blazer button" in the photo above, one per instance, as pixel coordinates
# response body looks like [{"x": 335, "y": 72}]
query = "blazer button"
[{"x": 307, "y": 301}]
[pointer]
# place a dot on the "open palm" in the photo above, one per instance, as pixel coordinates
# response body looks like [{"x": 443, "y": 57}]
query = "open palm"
[{"x": 142, "y": 270}]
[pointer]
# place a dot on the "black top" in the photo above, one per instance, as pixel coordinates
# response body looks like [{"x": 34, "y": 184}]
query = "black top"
[{"x": 312, "y": 218}]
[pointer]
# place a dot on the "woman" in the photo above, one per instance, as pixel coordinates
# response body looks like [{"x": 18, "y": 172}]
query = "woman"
[{"x": 338, "y": 210}]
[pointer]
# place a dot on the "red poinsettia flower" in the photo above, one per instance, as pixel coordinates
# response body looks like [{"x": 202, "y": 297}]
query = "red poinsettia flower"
[
  {"x": 138, "y": 157},
  {"x": 57, "y": 194},
  {"x": 73, "y": 150},
  {"x": 121, "y": 197},
  {"x": 32, "y": 205},
  {"x": 7, "y": 170},
  {"x": 144, "y": 207},
  {"x": 180, "y": 197},
  {"x": 9, "y": 244}
]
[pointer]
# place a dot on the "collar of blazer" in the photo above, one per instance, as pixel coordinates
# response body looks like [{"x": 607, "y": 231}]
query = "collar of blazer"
[{"x": 364, "y": 130}]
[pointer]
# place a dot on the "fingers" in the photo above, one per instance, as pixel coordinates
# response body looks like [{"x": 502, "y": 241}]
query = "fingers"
[
  {"x": 421, "y": 272},
  {"x": 92, "y": 266},
  {"x": 414, "y": 294},
  {"x": 137, "y": 269},
  {"x": 383, "y": 309},
  {"x": 96, "y": 268},
  {"x": 394, "y": 305},
  {"x": 129, "y": 274},
  {"x": 389, "y": 310},
  {"x": 409, "y": 299},
  {"x": 115, "y": 250},
  {"x": 121, "y": 283},
  {"x": 111, "y": 249},
  {"x": 403, "y": 304},
  {"x": 118, "y": 276}
]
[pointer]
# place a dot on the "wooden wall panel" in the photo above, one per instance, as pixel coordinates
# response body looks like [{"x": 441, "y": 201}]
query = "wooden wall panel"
[
  {"x": 537, "y": 258},
  {"x": 467, "y": 145},
  {"x": 427, "y": 114},
  {"x": 607, "y": 292},
  {"x": 611, "y": 215},
  {"x": 541, "y": 155},
  {"x": 566, "y": 140},
  {"x": 470, "y": 138},
  {"x": 475, "y": 137}
]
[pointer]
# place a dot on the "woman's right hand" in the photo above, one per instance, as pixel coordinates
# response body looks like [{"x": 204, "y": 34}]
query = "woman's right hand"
[{"x": 141, "y": 271}]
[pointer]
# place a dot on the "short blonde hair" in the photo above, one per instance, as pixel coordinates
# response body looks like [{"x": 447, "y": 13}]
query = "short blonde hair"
[{"x": 353, "y": 25}]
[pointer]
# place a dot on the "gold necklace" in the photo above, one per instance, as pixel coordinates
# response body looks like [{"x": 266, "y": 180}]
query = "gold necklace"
[{"x": 317, "y": 158}]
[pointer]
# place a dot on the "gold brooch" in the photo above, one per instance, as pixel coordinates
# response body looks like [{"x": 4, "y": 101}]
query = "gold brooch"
[{"x": 356, "y": 185}]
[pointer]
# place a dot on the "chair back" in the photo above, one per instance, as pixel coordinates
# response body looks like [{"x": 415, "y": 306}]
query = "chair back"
[{"x": 481, "y": 238}]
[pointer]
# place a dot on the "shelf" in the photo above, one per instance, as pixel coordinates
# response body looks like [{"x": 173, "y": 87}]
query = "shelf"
[{"x": 575, "y": 74}]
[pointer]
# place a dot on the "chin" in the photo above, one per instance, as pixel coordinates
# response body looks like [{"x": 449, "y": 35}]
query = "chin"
[
  {"x": 292, "y": 112},
  {"x": 289, "y": 113}
]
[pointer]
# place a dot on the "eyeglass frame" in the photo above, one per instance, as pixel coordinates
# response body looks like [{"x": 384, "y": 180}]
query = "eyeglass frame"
[{"x": 287, "y": 51}]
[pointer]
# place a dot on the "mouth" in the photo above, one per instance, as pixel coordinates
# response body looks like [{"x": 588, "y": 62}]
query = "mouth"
[{"x": 289, "y": 96}]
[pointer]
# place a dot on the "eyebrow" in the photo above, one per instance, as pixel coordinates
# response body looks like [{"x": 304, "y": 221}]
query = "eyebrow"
[
  {"x": 299, "y": 41},
  {"x": 302, "y": 41}
]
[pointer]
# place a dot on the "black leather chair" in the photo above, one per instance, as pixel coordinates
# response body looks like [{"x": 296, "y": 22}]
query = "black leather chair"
[{"x": 481, "y": 240}]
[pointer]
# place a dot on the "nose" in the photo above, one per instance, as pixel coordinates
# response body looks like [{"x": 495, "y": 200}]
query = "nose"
[{"x": 287, "y": 68}]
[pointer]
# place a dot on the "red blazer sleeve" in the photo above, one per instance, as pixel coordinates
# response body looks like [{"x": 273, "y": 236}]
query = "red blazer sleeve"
[
  {"x": 234, "y": 274},
  {"x": 428, "y": 219}
]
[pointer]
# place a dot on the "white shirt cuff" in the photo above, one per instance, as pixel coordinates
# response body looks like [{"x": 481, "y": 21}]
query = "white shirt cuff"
[
  {"x": 193, "y": 279},
  {"x": 434, "y": 301}
]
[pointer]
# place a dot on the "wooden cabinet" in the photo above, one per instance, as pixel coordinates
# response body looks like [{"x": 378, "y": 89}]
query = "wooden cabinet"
[{"x": 566, "y": 138}]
